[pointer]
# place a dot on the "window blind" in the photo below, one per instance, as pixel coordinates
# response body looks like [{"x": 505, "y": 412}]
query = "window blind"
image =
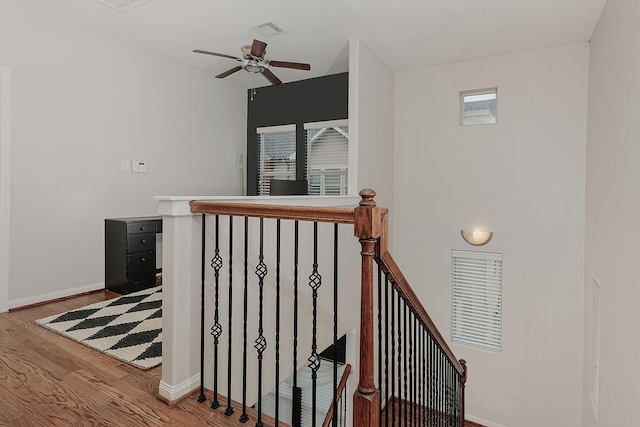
[
  {"x": 477, "y": 299},
  {"x": 327, "y": 157},
  {"x": 276, "y": 155}
]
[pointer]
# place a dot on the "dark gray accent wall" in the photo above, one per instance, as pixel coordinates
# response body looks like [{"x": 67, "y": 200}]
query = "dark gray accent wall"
[{"x": 305, "y": 101}]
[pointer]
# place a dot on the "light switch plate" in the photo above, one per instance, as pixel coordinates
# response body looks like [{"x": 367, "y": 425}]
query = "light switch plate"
[{"x": 138, "y": 166}]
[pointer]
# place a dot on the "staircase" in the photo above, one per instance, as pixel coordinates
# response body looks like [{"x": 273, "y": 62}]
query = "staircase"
[{"x": 281, "y": 283}]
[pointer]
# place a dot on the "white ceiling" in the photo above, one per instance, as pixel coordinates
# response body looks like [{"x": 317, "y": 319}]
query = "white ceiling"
[{"x": 406, "y": 34}]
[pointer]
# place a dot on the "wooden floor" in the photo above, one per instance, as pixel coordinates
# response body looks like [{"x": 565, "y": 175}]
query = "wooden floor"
[{"x": 49, "y": 380}]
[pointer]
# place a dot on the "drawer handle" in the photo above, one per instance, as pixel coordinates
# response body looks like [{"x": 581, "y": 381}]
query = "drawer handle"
[
  {"x": 143, "y": 260},
  {"x": 141, "y": 228},
  {"x": 143, "y": 241}
]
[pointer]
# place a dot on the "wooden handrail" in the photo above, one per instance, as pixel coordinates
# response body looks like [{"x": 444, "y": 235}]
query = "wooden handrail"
[
  {"x": 341, "y": 387},
  {"x": 405, "y": 292},
  {"x": 296, "y": 213}
]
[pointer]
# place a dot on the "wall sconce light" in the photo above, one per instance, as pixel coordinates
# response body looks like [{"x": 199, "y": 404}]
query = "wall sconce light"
[{"x": 477, "y": 238}]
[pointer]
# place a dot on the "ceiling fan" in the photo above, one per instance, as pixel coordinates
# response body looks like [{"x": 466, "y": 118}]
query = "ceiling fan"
[{"x": 253, "y": 61}]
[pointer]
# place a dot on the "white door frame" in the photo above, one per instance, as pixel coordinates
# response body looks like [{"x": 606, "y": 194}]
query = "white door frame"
[{"x": 5, "y": 133}]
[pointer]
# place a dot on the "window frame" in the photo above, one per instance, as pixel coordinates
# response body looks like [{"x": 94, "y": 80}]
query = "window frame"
[
  {"x": 342, "y": 173},
  {"x": 260, "y": 148},
  {"x": 475, "y": 92},
  {"x": 469, "y": 309}
]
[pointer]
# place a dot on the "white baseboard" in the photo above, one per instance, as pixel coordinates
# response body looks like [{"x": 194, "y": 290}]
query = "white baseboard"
[
  {"x": 21, "y": 302},
  {"x": 482, "y": 421},
  {"x": 172, "y": 393}
]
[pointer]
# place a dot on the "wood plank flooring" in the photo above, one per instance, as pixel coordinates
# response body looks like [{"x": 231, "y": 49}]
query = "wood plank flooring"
[{"x": 48, "y": 380}]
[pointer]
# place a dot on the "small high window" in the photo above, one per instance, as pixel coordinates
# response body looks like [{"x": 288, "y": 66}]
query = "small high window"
[{"x": 479, "y": 107}]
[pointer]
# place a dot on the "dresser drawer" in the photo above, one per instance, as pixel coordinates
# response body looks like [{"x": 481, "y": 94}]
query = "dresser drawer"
[
  {"x": 141, "y": 243},
  {"x": 141, "y": 227},
  {"x": 141, "y": 265}
]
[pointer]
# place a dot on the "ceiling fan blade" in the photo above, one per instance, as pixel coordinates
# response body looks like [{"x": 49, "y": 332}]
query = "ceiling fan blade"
[
  {"x": 257, "y": 48},
  {"x": 228, "y": 72},
  {"x": 294, "y": 65},
  {"x": 271, "y": 77},
  {"x": 217, "y": 54}
]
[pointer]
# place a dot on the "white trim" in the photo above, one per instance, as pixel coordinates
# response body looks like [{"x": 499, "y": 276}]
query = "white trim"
[
  {"x": 483, "y": 421},
  {"x": 274, "y": 129},
  {"x": 5, "y": 145},
  {"x": 172, "y": 393},
  {"x": 326, "y": 124},
  {"x": 55, "y": 295}
]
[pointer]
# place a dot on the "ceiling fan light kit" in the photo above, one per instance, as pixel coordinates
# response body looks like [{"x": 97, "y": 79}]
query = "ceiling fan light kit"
[{"x": 253, "y": 61}]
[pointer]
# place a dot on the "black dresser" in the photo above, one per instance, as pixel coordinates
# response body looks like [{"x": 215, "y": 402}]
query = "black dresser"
[{"x": 130, "y": 253}]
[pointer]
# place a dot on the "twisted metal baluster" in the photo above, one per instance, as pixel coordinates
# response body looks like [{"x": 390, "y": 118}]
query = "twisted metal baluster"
[
  {"x": 315, "y": 281},
  {"x": 261, "y": 342},
  {"x": 216, "y": 329},
  {"x": 244, "y": 417}
]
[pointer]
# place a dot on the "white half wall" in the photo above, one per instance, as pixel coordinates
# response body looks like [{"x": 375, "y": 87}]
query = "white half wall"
[
  {"x": 81, "y": 104},
  {"x": 612, "y": 212},
  {"x": 371, "y": 88},
  {"x": 522, "y": 178}
]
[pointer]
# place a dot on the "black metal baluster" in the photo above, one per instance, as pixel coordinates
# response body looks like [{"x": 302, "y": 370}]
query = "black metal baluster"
[
  {"x": 400, "y": 361},
  {"x": 416, "y": 355},
  {"x": 380, "y": 344},
  {"x": 297, "y": 397},
  {"x": 202, "y": 396},
  {"x": 335, "y": 322},
  {"x": 229, "y": 410},
  {"x": 245, "y": 310},
  {"x": 216, "y": 329},
  {"x": 410, "y": 395},
  {"x": 393, "y": 358},
  {"x": 407, "y": 339},
  {"x": 386, "y": 348},
  {"x": 261, "y": 342},
  {"x": 440, "y": 388},
  {"x": 315, "y": 281},
  {"x": 421, "y": 373},
  {"x": 277, "y": 406},
  {"x": 431, "y": 382}
]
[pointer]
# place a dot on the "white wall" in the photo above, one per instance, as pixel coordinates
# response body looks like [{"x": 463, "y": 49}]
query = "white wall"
[
  {"x": 612, "y": 212},
  {"x": 81, "y": 103},
  {"x": 371, "y": 88},
  {"x": 522, "y": 178}
]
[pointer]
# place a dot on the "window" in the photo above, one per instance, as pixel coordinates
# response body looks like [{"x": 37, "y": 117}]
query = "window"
[
  {"x": 595, "y": 331},
  {"x": 477, "y": 299},
  {"x": 479, "y": 106},
  {"x": 327, "y": 157},
  {"x": 276, "y": 155}
]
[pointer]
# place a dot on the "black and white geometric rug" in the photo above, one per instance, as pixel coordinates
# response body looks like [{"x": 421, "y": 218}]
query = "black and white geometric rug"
[{"x": 128, "y": 328}]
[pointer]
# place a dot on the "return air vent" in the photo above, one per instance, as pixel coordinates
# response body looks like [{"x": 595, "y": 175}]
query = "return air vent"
[
  {"x": 123, "y": 5},
  {"x": 268, "y": 29}
]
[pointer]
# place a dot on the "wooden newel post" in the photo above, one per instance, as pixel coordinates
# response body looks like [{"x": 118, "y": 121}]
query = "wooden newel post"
[{"x": 368, "y": 225}]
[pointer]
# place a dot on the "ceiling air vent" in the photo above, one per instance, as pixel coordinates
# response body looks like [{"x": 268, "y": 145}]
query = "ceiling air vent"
[
  {"x": 123, "y": 5},
  {"x": 268, "y": 29}
]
